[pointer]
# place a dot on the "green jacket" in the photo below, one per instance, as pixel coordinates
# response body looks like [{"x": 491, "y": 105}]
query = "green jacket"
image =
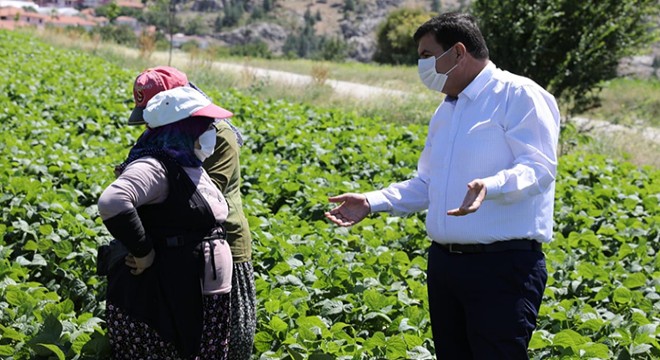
[{"x": 225, "y": 171}]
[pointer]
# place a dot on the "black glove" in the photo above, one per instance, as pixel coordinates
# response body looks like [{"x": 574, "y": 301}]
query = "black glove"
[{"x": 127, "y": 228}]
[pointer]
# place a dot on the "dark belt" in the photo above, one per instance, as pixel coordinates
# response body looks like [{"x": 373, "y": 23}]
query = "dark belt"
[
  {"x": 181, "y": 240},
  {"x": 516, "y": 244}
]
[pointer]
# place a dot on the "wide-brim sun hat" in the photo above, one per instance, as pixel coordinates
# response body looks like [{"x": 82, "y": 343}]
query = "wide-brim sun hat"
[{"x": 176, "y": 104}]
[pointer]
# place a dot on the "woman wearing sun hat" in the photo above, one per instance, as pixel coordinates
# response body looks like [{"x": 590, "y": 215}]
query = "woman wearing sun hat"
[{"x": 169, "y": 297}]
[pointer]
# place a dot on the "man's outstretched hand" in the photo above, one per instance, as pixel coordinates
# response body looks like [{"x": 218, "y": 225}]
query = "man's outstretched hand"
[
  {"x": 352, "y": 209},
  {"x": 473, "y": 198}
]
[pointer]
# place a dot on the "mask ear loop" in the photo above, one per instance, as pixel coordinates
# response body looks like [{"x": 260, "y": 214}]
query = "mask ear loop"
[
  {"x": 452, "y": 69},
  {"x": 239, "y": 136}
]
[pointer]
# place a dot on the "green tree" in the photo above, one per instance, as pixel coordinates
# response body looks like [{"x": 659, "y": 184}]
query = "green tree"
[
  {"x": 257, "y": 13},
  {"x": 309, "y": 19},
  {"x": 120, "y": 34},
  {"x": 349, "y": 5},
  {"x": 332, "y": 49},
  {"x": 435, "y": 6},
  {"x": 217, "y": 24},
  {"x": 255, "y": 48},
  {"x": 569, "y": 47},
  {"x": 303, "y": 43},
  {"x": 110, "y": 10},
  {"x": 233, "y": 14},
  {"x": 159, "y": 13},
  {"x": 195, "y": 26},
  {"x": 394, "y": 38},
  {"x": 268, "y": 5}
]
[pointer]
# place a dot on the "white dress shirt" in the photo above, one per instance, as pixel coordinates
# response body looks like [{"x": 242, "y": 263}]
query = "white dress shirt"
[{"x": 502, "y": 128}]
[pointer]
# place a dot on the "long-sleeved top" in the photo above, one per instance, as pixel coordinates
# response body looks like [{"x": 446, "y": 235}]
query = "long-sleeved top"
[
  {"x": 144, "y": 182},
  {"x": 225, "y": 171},
  {"x": 501, "y": 128}
]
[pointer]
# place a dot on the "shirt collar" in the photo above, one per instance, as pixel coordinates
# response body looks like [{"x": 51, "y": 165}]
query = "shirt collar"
[{"x": 477, "y": 85}]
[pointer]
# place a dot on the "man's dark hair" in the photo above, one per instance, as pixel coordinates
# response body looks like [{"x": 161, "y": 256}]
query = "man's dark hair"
[{"x": 452, "y": 27}]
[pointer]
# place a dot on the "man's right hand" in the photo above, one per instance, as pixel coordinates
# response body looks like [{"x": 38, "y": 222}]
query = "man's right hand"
[{"x": 353, "y": 208}]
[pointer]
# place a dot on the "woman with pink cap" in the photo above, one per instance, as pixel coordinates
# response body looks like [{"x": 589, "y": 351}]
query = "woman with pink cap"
[{"x": 169, "y": 288}]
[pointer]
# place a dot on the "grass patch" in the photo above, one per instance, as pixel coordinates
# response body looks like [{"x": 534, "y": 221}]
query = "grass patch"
[
  {"x": 628, "y": 101},
  {"x": 386, "y": 76},
  {"x": 624, "y": 146}
]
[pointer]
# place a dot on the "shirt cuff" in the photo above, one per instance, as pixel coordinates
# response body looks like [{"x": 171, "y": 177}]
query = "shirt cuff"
[
  {"x": 377, "y": 201},
  {"x": 493, "y": 189}
]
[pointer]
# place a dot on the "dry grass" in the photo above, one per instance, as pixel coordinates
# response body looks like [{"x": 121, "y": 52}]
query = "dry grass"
[
  {"x": 625, "y": 146},
  {"x": 630, "y": 102},
  {"x": 146, "y": 44},
  {"x": 386, "y": 76},
  {"x": 320, "y": 74}
]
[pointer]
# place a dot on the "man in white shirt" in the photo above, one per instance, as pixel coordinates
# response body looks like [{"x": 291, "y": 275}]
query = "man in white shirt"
[{"x": 487, "y": 177}]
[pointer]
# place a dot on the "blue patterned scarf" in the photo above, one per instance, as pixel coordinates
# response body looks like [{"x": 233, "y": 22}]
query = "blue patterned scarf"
[{"x": 174, "y": 141}]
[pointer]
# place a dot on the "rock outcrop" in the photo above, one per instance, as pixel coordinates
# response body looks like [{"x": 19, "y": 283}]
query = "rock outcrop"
[{"x": 272, "y": 34}]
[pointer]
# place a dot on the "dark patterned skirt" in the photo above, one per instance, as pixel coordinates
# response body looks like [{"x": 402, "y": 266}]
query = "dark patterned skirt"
[
  {"x": 131, "y": 339},
  {"x": 243, "y": 312}
]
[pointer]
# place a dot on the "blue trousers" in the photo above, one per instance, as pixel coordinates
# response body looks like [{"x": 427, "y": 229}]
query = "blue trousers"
[{"x": 484, "y": 305}]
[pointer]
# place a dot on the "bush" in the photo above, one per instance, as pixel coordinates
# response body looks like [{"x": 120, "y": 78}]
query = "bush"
[
  {"x": 394, "y": 39},
  {"x": 256, "y": 48}
]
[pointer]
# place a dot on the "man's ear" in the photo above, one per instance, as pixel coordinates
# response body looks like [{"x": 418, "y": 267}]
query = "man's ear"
[{"x": 460, "y": 49}]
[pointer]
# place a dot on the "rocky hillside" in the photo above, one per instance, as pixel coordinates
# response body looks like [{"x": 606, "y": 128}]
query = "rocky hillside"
[{"x": 352, "y": 21}]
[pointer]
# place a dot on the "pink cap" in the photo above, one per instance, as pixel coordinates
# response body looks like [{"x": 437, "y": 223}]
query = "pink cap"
[{"x": 149, "y": 83}]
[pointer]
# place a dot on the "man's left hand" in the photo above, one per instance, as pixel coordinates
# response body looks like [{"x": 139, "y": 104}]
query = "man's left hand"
[{"x": 473, "y": 198}]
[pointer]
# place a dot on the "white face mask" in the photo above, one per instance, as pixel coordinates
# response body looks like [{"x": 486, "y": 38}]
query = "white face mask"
[
  {"x": 431, "y": 78},
  {"x": 206, "y": 143}
]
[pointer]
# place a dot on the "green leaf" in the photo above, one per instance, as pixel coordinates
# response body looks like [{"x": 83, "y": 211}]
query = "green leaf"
[
  {"x": 79, "y": 342},
  {"x": 332, "y": 307},
  {"x": 278, "y": 325},
  {"x": 262, "y": 341},
  {"x": 272, "y": 306},
  {"x": 640, "y": 349},
  {"x": 376, "y": 340},
  {"x": 54, "y": 349},
  {"x": 45, "y": 229},
  {"x": 10, "y": 333},
  {"x": 635, "y": 280},
  {"x": 396, "y": 348},
  {"x": 63, "y": 249},
  {"x": 6, "y": 350},
  {"x": 375, "y": 300},
  {"x": 419, "y": 352},
  {"x": 568, "y": 339},
  {"x": 18, "y": 297},
  {"x": 622, "y": 295},
  {"x": 538, "y": 341},
  {"x": 595, "y": 350}
]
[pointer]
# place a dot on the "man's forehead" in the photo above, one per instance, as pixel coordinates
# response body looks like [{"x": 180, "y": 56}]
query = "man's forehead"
[{"x": 427, "y": 43}]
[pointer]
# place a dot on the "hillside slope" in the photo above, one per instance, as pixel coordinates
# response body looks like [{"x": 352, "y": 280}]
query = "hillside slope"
[{"x": 354, "y": 22}]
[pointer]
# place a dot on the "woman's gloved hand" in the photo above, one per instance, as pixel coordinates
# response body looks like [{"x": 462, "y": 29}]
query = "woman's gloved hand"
[{"x": 139, "y": 264}]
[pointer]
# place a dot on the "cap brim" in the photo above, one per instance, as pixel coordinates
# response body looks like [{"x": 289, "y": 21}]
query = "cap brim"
[
  {"x": 213, "y": 111},
  {"x": 136, "y": 117}
]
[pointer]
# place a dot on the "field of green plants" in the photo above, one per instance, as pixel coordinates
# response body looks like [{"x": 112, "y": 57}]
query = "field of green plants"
[{"x": 324, "y": 292}]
